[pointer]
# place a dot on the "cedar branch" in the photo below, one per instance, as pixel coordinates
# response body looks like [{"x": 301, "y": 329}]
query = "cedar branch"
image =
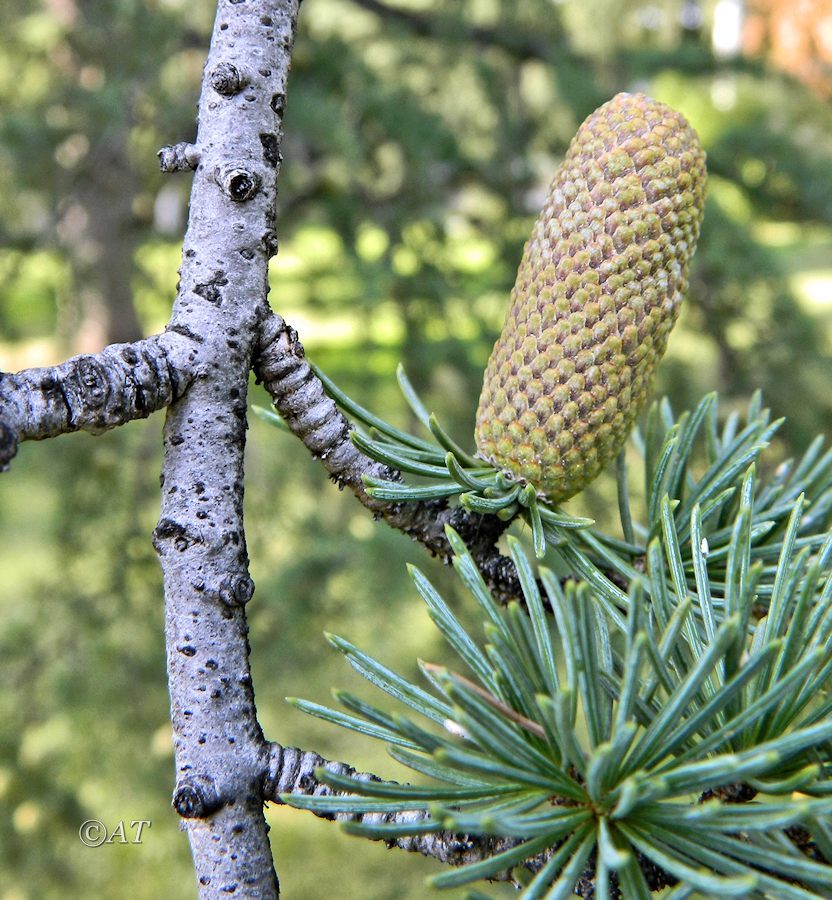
[
  {"x": 312, "y": 416},
  {"x": 94, "y": 392}
]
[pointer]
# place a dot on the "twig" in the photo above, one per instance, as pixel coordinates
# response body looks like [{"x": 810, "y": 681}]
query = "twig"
[
  {"x": 312, "y": 416},
  {"x": 491, "y": 700},
  {"x": 292, "y": 771},
  {"x": 94, "y": 392}
]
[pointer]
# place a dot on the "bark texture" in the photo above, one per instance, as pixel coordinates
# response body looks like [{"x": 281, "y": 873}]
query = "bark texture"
[
  {"x": 94, "y": 392},
  {"x": 219, "y": 748},
  {"x": 299, "y": 396},
  {"x": 292, "y": 771}
]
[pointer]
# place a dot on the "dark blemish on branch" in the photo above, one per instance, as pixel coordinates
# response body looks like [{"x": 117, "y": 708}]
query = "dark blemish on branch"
[
  {"x": 210, "y": 290},
  {"x": 168, "y": 529},
  {"x": 271, "y": 149},
  {"x": 186, "y": 332},
  {"x": 278, "y": 104}
]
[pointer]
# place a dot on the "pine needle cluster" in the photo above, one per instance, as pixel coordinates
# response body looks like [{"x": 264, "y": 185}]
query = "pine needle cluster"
[{"x": 659, "y": 698}]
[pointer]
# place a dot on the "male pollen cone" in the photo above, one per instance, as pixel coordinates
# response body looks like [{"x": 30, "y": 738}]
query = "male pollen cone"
[{"x": 597, "y": 292}]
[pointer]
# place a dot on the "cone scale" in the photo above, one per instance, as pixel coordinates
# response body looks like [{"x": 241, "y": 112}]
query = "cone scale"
[{"x": 598, "y": 290}]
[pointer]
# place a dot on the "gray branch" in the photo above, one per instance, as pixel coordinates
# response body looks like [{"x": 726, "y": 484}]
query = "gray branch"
[
  {"x": 299, "y": 397},
  {"x": 178, "y": 158},
  {"x": 219, "y": 748},
  {"x": 292, "y": 771},
  {"x": 93, "y": 392}
]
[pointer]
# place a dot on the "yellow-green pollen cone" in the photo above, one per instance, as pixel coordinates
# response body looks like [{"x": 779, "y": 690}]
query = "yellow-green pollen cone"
[{"x": 597, "y": 292}]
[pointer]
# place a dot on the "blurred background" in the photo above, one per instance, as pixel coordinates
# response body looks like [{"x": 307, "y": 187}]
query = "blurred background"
[{"x": 420, "y": 138}]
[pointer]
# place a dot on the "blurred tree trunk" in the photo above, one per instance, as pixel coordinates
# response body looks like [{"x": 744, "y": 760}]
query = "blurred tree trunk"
[{"x": 99, "y": 231}]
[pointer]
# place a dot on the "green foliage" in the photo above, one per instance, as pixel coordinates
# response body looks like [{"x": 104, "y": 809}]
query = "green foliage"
[
  {"x": 419, "y": 157},
  {"x": 452, "y": 471},
  {"x": 696, "y": 476},
  {"x": 594, "y": 719}
]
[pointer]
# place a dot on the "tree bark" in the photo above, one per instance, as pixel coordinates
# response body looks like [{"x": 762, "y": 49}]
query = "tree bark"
[
  {"x": 93, "y": 392},
  {"x": 293, "y": 771},
  {"x": 221, "y": 756}
]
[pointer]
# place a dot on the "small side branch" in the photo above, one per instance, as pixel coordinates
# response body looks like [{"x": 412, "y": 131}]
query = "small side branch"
[
  {"x": 178, "y": 158},
  {"x": 299, "y": 397},
  {"x": 292, "y": 771},
  {"x": 93, "y": 393}
]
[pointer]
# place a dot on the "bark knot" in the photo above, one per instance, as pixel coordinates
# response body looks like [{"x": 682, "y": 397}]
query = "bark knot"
[
  {"x": 196, "y": 797},
  {"x": 239, "y": 184},
  {"x": 92, "y": 379},
  {"x": 227, "y": 79},
  {"x": 178, "y": 157},
  {"x": 269, "y": 241},
  {"x": 236, "y": 590}
]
